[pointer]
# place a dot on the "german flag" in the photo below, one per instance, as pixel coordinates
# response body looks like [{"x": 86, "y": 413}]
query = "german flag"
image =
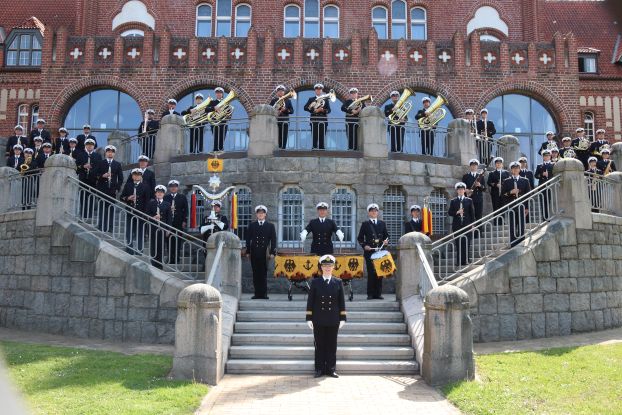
[{"x": 234, "y": 210}]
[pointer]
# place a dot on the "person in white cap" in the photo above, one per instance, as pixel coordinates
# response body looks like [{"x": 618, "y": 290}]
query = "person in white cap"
[
  {"x": 486, "y": 130},
  {"x": 397, "y": 130},
  {"x": 284, "y": 110},
  {"x": 599, "y": 143},
  {"x": 469, "y": 116},
  {"x": 219, "y": 132},
  {"x": 29, "y": 161},
  {"x": 43, "y": 155},
  {"x": 109, "y": 175},
  {"x": 73, "y": 151},
  {"x": 581, "y": 145},
  {"x": 86, "y": 134},
  {"x": 17, "y": 138},
  {"x": 476, "y": 187},
  {"x": 210, "y": 225},
  {"x": 87, "y": 162},
  {"x": 179, "y": 213},
  {"x": 495, "y": 180},
  {"x": 544, "y": 172},
  {"x": 372, "y": 236},
  {"x": 260, "y": 243},
  {"x": 427, "y": 136},
  {"x": 322, "y": 229},
  {"x": 61, "y": 144},
  {"x": 318, "y": 110},
  {"x": 415, "y": 224},
  {"x": 549, "y": 143},
  {"x": 565, "y": 147},
  {"x": 462, "y": 212},
  {"x": 147, "y": 132},
  {"x": 196, "y": 132},
  {"x": 40, "y": 131},
  {"x": 515, "y": 187},
  {"x": 136, "y": 195},
  {"x": 171, "y": 106},
  {"x": 352, "y": 117},
  {"x": 526, "y": 173},
  {"x": 606, "y": 164},
  {"x": 160, "y": 212},
  {"x": 16, "y": 159},
  {"x": 148, "y": 175},
  {"x": 326, "y": 314}
]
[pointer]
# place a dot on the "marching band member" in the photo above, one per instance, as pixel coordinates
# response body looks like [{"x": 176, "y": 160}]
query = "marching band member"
[
  {"x": 72, "y": 150},
  {"x": 526, "y": 173},
  {"x": 318, "y": 117},
  {"x": 148, "y": 133},
  {"x": 43, "y": 155},
  {"x": 260, "y": 242},
  {"x": 160, "y": 212},
  {"x": 352, "y": 118},
  {"x": 592, "y": 163},
  {"x": 86, "y": 134},
  {"x": 37, "y": 146},
  {"x": 549, "y": 143},
  {"x": 29, "y": 153},
  {"x": 109, "y": 175},
  {"x": 427, "y": 136},
  {"x": 593, "y": 187},
  {"x": 495, "y": 180},
  {"x": 462, "y": 211},
  {"x": 171, "y": 110},
  {"x": 372, "y": 234},
  {"x": 606, "y": 164},
  {"x": 415, "y": 223},
  {"x": 61, "y": 146},
  {"x": 513, "y": 188},
  {"x": 219, "y": 132},
  {"x": 581, "y": 154},
  {"x": 544, "y": 172},
  {"x": 211, "y": 226},
  {"x": 469, "y": 116},
  {"x": 179, "y": 214},
  {"x": 40, "y": 131},
  {"x": 326, "y": 314},
  {"x": 395, "y": 130},
  {"x": 283, "y": 115},
  {"x": 322, "y": 229},
  {"x": 148, "y": 176},
  {"x": 17, "y": 138},
  {"x": 598, "y": 142},
  {"x": 196, "y": 132},
  {"x": 16, "y": 159},
  {"x": 485, "y": 129},
  {"x": 136, "y": 195},
  {"x": 475, "y": 187},
  {"x": 565, "y": 147},
  {"x": 554, "y": 155},
  {"x": 86, "y": 173}
]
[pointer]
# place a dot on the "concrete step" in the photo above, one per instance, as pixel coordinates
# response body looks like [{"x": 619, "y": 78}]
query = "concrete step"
[
  {"x": 273, "y": 316},
  {"x": 300, "y": 326},
  {"x": 345, "y": 339},
  {"x": 301, "y": 366},
  {"x": 298, "y": 305},
  {"x": 307, "y": 352}
]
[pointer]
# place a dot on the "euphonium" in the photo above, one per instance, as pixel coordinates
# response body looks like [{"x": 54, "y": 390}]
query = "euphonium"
[
  {"x": 225, "y": 111},
  {"x": 197, "y": 116},
  {"x": 583, "y": 144},
  {"x": 434, "y": 114},
  {"x": 570, "y": 154},
  {"x": 358, "y": 103},
  {"x": 23, "y": 168},
  {"x": 280, "y": 103},
  {"x": 319, "y": 100},
  {"x": 401, "y": 108}
]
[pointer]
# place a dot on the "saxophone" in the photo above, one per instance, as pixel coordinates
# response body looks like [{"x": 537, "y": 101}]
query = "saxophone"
[
  {"x": 23, "y": 168},
  {"x": 608, "y": 169}
]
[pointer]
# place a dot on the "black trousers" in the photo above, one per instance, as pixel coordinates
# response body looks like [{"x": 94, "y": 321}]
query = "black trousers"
[
  {"x": 544, "y": 203},
  {"x": 147, "y": 143},
  {"x": 352, "y": 130},
  {"x": 517, "y": 225},
  {"x": 87, "y": 202},
  {"x": 134, "y": 231},
  {"x": 219, "y": 132},
  {"x": 478, "y": 204},
  {"x": 397, "y": 138},
  {"x": 485, "y": 150},
  {"x": 318, "y": 131},
  {"x": 196, "y": 139},
  {"x": 283, "y": 127},
  {"x": 156, "y": 246},
  {"x": 374, "y": 284},
  {"x": 174, "y": 246},
  {"x": 427, "y": 141},
  {"x": 325, "y": 342},
  {"x": 259, "y": 265},
  {"x": 461, "y": 247},
  {"x": 106, "y": 216}
]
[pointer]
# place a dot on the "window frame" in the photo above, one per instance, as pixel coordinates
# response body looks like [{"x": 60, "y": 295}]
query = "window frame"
[
  {"x": 403, "y": 21},
  {"x": 335, "y": 207},
  {"x": 25, "y": 122},
  {"x": 293, "y": 222},
  {"x": 331, "y": 20},
  {"x": 34, "y": 115},
  {"x": 291, "y": 19},
  {"x": 223, "y": 19},
  {"x": 306, "y": 20},
  {"x": 243, "y": 19},
  {"x": 385, "y": 20},
  {"x": 585, "y": 56},
  {"x": 16, "y": 37},
  {"x": 589, "y": 125},
  {"x": 198, "y": 19},
  {"x": 438, "y": 208},
  {"x": 414, "y": 22},
  {"x": 245, "y": 211},
  {"x": 387, "y": 215}
]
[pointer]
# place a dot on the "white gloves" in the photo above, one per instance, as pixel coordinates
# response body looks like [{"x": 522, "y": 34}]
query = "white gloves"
[
  {"x": 341, "y": 323},
  {"x": 310, "y": 324},
  {"x": 340, "y": 235},
  {"x": 207, "y": 228},
  {"x": 220, "y": 224},
  {"x": 303, "y": 235}
]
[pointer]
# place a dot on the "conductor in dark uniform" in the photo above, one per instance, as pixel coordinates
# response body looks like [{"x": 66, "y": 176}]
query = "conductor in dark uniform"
[
  {"x": 462, "y": 211},
  {"x": 513, "y": 188},
  {"x": 415, "y": 224},
  {"x": 196, "y": 131},
  {"x": 372, "y": 234},
  {"x": 486, "y": 130},
  {"x": 160, "y": 212},
  {"x": 322, "y": 229},
  {"x": 283, "y": 113},
  {"x": 352, "y": 118},
  {"x": 476, "y": 187},
  {"x": 318, "y": 117},
  {"x": 40, "y": 131},
  {"x": 260, "y": 243},
  {"x": 179, "y": 213},
  {"x": 109, "y": 175},
  {"x": 326, "y": 314},
  {"x": 427, "y": 136},
  {"x": 396, "y": 131}
]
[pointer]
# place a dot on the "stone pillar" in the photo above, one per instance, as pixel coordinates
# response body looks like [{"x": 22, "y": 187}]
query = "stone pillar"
[
  {"x": 616, "y": 177},
  {"x": 263, "y": 132},
  {"x": 228, "y": 277},
  {"x": 198, "y": 329},
  {"x": 573, "y": 194},
  {"x": 461, "y": 145},
  {"x": 56, "y": 194},
  {"x": 6, "y": 188},
  {"x": 448, "y": 340},
  {"x": 411, "y": 271},
  {"x": 373, "y": 133},
  {"x": 169, "y": 143},
  {"x": 616, "y": 154},
  {"x": 121, "y": 142},
  {"x": 510, "y": 150}
]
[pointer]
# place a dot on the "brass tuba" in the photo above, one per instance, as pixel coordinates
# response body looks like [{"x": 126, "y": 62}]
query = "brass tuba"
[
  {"x": 434, "y": 114},
  {"x": 401, "y": 108},
  {"x": 358, "y": 103},
  {"x": 197, "y": 116},
  {"x": 280, "y": 103},
  {"x": 25, "y": 166},
  {"x": 225, "y": 111}
]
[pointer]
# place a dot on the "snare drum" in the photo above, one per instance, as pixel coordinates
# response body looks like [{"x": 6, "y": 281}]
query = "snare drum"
[{"x": 383, "y": 264}]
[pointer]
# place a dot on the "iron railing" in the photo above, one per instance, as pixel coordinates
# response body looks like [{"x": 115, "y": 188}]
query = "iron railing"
[
  {"x": 200, "y": 139},
  {"x": 149, "y": 240},
  {"x": 428, "y": 282},
  {"x": 602, "y": 193},
  {"x": 488, "y": 149},
  {"x": 137, "y": 145},
  {"x": 300, "y": 135},
  {"x": 23, "y": 190},
  {"x": 496, "y": 232},
  {"x": 410, "y": 139}
]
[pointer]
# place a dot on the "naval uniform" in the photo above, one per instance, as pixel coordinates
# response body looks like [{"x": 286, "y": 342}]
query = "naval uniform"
[
  {"x": 427, "y": 136},
  {"x": 22, "y": 140},
  {"x": 134, "y": 223},
  {"x": 496, "y": 177},
  {"x": 282, "y": 121},
  {"x": 547, "y": 145},
  {"x": 219, "y": 132},
  {"x": 318, "y": 121},
  {"x": 486, "y": 132},
  {"x": 326, "y": 307},
  {"x": 210, "y": 232},
  {"x": 179, "y": 214},
  {"x": 477, "y": 195},
  {"x": 352, "y": 123},
  {"x": 82, "y": 138},
  {"x": 148, "y": 138},
  {"x": 260, "y": 241},
  {"x": 528, "y": 174},
  {"x": 602, "y": 165},
  {"x": 196, "y": 134},
  {"x": 43, "y": 133},
  {"x": 322, "y": 229},
  {"x": 372, "y": 235},
  {"x": 396, "y": 131},
  {"x": 517, "y": 214},
  {"x": 109, "y": 186},
  {"x": 459, "y": 222},
  {"x": 546, "y": 196},
  {"x": 87, "y": 177},
  {"x": 413, "y": 225},
  {"x": 157, "y": 235},
  {"x": 169, "y": 112},
  {"x": 149, "y": 180},
  {"x": 595, "y": 147}
]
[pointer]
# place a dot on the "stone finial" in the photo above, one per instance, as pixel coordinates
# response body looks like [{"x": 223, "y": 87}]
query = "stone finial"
[
  {"x": 412, "y": 239},
  {"x": 230, "y": 239},
  {"x": 60, "y": 160},
  {"x": 172, "y": 119},
  {"x": 264, "y": 109},
  {"x": 567, "y": 164},
  {"x": 447, "y": 297},
  {"x": 199, "y": 295}
]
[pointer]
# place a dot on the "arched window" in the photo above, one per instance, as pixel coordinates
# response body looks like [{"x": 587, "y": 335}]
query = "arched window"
[
  {"x": 245, "y": 211},
  {"x": 312, "y": 18},
  {"x": 588, "y": 124},
  {"x": 23, "y": 115},
  {"x": 291, "y": 26},
  {"x": 242, "y": 20},
  {"x": 24, "y": 49},
  {"x": 34, "y": 116},
  {"x": 343, "y": 212},
  {"x": 487, "y": 17},
  {"x": 223, "y": 18},
  {"x": 331, "y": 21},
  {"x": 133, "y": 33},
  {"x": 438, "y": 206},
  {"x": 398, "y": 19},
  {"x": 393, "y": 202},
  {"x": 106, "y": 110},
  {"x": 204, "y": 20},
  {"x": 418, "y": 24},
  {"x": 291, "y": 217},
  {"x": 379, "y": 21}
]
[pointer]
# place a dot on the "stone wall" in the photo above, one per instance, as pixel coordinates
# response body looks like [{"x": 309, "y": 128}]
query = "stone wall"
[
  {"x": 64, "y": 280},
  {"x": 565, "y": 281}
]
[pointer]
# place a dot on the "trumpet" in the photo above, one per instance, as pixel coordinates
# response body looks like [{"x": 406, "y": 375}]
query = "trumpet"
[
  {"x": 279, "y": 105},
  {"x": 434, "y": 114},
  {"x": 23, "y": 168},
  {"x": 320, "y": 100},
  {"x": 223, "y": 111},
  {"x": 401, "y": 108},
  {"x": 197, "y": 116},
  {"x": 358, "y": 103}
]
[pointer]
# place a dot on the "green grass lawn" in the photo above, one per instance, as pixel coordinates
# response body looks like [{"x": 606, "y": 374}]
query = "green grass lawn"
[
  {"x": 577, "y": 380},
  {"x": 60, "y": 380}
]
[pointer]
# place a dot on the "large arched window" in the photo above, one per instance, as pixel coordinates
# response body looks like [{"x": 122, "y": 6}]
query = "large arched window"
[
  {"x": 204, "y": 20},
  {"x": 588, "y": 124},
  {"x": 105, "y": 110},
  {"x": 379, "y": 21},
  {"x": 223, "y": 18},
  {"x": 23, "y": 115},
  {"x": 331, "y": 21},
  {"x": 242, "y": 20},
  {"x": 312, "y": 18},
  {"x": 291, "y": 26},
  {"x": 398, "y": 19},
  {"x": 393, "y": 202},
  {"x": 291, "y": 217},
  {"x": 343, "y": 212},
  {"x": 524, "y": 118},
  {"x": 418, "y": 24},
  {"x": 24, "y": 49}
]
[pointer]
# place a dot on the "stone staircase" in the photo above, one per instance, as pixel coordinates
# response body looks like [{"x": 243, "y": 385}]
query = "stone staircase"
[{"x": 273, "y": 337}]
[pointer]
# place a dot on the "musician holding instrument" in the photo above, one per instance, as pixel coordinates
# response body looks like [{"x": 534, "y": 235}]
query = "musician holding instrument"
[
  {"x": 581, "y": 145},
  {"x": 17, "y": 138},
  {"x": 427, "y": 135},
  {"x": 353, "y": 107},
  {"x": 86, "y": 173},
  {"x": 284, "y": 108},
  {"x": 61, "y": 144},
  {"x": 606, "y": 164},
  {"x": 373, "y": 235},
  {"x": 513, "y": 188},
  {"x": 109, "y": 175},
  {"x": 544, "y": 173},
  {"x": 16, "y": 160},
  {"x": 595, "y": 191},
  {"x": 148, "y": 177},
  {"x": 37, "y": 147},
  {"x": 219, "y": 129},
  {"x": 415, "y": 224},
  {"x": 318, "y": 107},
  {"x": 215, "y": 222},
  {"x": 171, "y": 109},
  {"x": 599, "y": 144},
  {"x": 86, "y": 135},
  {"x": 179, "y": 213},
  {"x": 147, "y": 132},
  {"x": 526, "y": 173},
  {"x": 73, "y": 151},
  {"x": 549, "y": 143},
  {"x": 463, "y": 213},
  {"x": 565, "y": 152},
  {"x": 469, "y": 116},
  {"x": 43, "y": 155},
  {"x": 160, "y": 212},
  {"x": 475, "y": 187},
  {"x": 396, "y": 126},
  {"x": 486, "y": 130},
  {"x": 135, "y": 194},
  {"x": 495, "y": 180},
  {"x": 40, "y": 131},
  {"x": 196, "y": 130}
]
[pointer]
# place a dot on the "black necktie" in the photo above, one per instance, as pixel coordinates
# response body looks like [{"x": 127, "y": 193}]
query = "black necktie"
[{"x": 261, "y": 223}]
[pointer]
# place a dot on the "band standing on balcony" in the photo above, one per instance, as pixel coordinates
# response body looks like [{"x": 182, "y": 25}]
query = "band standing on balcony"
[
  {"x": 86, "y": 134},
  {"x": 486, "y": 130},
  {"x": 171, "y": 108},
  {"x": 160, "y": 212},
  {"x": 427, "y": 136},
  {"x": 260, "y": 247},
  {"x": 147, "y": 132},
  {"x": 462, "y": 210},
  {"x": 196, "y": 132},
  {"x": 415, "y": 224},
  {"x": 475, "y": 187},
  {"x": 40, "y": 131},
  {"x": 544, "y": 173},
  {"x": 17, "y": 138},
  {"x": 353, "y": 112},
  {"x": 219, "y": 132},
  {"x": 318, "y": 110},
  {"x": 372, "y": 235},
  {"x": 513, "y": 188},
  {"x": 283, "y": 112},
  {"x": 495, "y": 180},
  {"x": 135, "y": 194},
  {"x": 179, "y": 213},
  {"x": 396, "y": 131},
  {"x": 109, "y": 175}
]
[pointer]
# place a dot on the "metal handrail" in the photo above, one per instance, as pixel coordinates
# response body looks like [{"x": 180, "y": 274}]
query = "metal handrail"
[
  {"x": 212, "y": 271},
  {"x": 601, "y": 192},
  {"x": 428, "y": 282},
  {"x": 412, "y": 139},
  {"x": 198, "y": 139},
  {"x": 489, "y": 149},
  {"x": 300, "y": 135},
  {"x": 23, "y": 191}
]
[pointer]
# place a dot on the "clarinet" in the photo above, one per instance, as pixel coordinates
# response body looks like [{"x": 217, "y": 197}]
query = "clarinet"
[
  {"x": 173, "y": 208},
  {"x": 134, "y": 201},
  {"x": 462, "y": 213},
  {"x": 109, "y": 175}
]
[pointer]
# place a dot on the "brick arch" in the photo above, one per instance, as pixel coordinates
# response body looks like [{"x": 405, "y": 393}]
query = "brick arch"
[
  {"x": 71, "y": 93},
  {"x": 341, "y": 91},
  {"x": 559, "y": 110},
  {"x": 193, "y": 83}
]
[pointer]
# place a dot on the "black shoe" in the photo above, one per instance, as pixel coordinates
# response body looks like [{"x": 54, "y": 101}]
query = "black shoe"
[
  {"x": 333, "y": 375},
  {"x": 379, "y": 297},
  {"x": 255, "y": 297},
  {"x": 265, "y": 297},
  {"x": 369, "y": 297},
  {"x": 318, "y": 374}
]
